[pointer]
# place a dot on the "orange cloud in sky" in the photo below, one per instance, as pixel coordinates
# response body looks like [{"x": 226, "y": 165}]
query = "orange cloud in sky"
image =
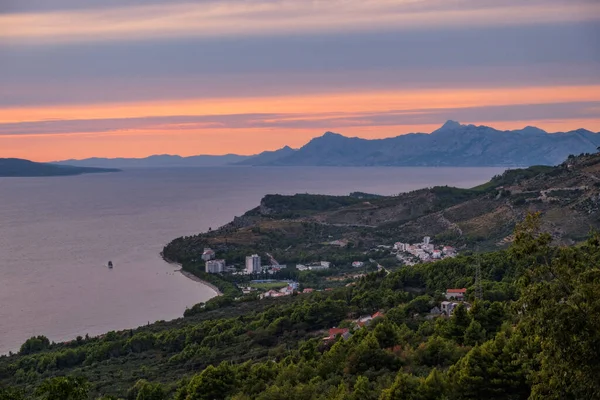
[
  {"x": 412, "y": 100},
  {"x": 207, "y": 138}
]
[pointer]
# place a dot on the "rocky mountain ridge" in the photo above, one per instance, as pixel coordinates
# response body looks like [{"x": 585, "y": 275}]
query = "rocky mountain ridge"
[{"x": 452, "y": 145}]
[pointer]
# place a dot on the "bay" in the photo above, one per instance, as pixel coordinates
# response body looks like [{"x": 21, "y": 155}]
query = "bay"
[{"x": 57, "y": 235}]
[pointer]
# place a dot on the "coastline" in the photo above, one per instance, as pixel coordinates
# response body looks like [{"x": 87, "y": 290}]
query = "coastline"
[
  {"x": 196, "y": 279},
  {"x": 191, "y": 276}
]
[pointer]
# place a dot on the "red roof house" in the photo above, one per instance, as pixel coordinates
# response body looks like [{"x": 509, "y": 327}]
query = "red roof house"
[
  {"x": 335, "y": 332},
  {"x": 458, "y": 294}
]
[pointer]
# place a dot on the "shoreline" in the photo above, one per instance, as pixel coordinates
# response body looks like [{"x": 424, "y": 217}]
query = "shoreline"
[{"x": 193, "y": 277}]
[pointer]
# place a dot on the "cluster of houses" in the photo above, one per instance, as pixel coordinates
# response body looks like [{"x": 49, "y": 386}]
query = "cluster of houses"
[
  {"x": 285, "y": 291},
  {"x": 424, "y": 251},
  {"x": 314, "y": 266},
  {"x": 358, "y": 324}
]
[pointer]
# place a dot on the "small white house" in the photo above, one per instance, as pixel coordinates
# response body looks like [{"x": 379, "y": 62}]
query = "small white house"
[
  {"x": 400, "y": 246},
  {"x": 208, "y": 254},
  {"x": 358, "y": 264},
  {"x": 447, "y": 307}
]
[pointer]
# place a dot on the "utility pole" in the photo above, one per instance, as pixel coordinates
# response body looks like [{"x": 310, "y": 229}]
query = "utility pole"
[{"x": 478, "y": 288}]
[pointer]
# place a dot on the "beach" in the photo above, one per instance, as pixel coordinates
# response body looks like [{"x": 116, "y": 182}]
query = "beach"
[{"x": 196, "y": 279}]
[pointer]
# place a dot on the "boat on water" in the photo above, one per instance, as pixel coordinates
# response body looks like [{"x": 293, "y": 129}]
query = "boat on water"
[{"x": 110, "y": 264}]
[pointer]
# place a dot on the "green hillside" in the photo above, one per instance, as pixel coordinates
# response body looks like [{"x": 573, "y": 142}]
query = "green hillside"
[
  {"x": 529, "y": 328},
  {"x": 533, "y": 334}
]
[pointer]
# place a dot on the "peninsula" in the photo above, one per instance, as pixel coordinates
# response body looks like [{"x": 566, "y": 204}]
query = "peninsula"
[
  {"x": 16, "y": 167},
  {"x": 353, "y": 302}
]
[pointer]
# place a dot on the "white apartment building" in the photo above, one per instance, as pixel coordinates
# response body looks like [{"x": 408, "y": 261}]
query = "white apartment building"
[
  {"x": 253, "y": 264},
  {"x": 215, "y": 266}
]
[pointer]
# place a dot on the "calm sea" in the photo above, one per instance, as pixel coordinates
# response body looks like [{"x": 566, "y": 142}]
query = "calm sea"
[{"x": 57, "y": 235}]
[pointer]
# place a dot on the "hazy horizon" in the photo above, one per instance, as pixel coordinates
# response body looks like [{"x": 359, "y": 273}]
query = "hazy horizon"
[{"x": 192, "y": 154}]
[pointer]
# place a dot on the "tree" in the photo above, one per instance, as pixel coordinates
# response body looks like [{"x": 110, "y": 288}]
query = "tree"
[
  {"x": 369, "y": 355},
  {"x": 64, "y": 388},
  {"x": 437, "y": 352},
  {"x": 405, "y": 387},
  {"x": 212, "y": 383},
  {"x": 459, "y": 323},
  {"x": 387, "y": 334},
  {"x": 34, "y": 344},
  {"x": 559, "y": 304},
  {"x": 492, "y": 370},
  {"x": 435, "y": 386},
  {"x": 474, "y": 334},
  {"x": 363, "y": 390},
  {"x": 11, "y": 394},
  {"x": 144, "y": 390}
]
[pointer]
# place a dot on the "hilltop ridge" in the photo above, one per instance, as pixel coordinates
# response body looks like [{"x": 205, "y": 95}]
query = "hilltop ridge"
[
  {"x": 453, "y": 144},
  {"x": 484, "y": 217},
  {"x": 365, "y": 325}
]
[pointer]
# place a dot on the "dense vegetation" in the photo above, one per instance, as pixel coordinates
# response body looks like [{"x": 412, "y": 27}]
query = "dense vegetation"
[
  {"x": 534, "y": 334},
  {"x": 514, "y": 176},
  {"x": 301, "y": 204}
]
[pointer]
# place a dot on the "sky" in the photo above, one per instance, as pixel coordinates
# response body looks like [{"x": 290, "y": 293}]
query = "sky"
[{"x": 132, "y": 78}]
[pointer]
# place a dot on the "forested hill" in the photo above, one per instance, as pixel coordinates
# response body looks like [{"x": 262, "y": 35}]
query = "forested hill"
[
  {"x": 294, "y": 228},
  {"x": 15, "y": 167},
  {"x": 535, "y": 333},
  {"x": 529, "y": 329}
]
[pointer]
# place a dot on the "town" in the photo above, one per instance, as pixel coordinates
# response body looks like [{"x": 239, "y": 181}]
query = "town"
[
  {"x": 425, "y": 251},
  {"x": 404, "y": 254}
]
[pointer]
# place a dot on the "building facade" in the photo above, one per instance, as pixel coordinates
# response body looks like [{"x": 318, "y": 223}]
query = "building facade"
[
  {"x": 215, "y": 266},
  {"x": 456, "y": 294},
  {"x": 208, "y": 254},
  {"x": 253, "y": 264}
]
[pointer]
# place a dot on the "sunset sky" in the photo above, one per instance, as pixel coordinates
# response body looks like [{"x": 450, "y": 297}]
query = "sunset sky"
[{"x": 131, "y": 78}]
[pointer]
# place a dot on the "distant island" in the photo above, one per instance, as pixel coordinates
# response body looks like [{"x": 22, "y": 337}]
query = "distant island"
[
  {"x": 16, "y": 167},
  {"x": 452, "y": 145}
]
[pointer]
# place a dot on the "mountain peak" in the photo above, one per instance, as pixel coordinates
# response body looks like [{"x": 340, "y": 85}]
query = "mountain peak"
[
  {"x": 449, "y": 125},
  {"x": 331, "y": 134},
  {"x": 533, "y": 130}
]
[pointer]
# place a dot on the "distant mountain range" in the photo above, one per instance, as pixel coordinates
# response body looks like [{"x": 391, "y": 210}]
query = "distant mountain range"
[
  {"x": 16, "y": 167},
  {"x": 453, "y": 144},
  {"x": 158, "y": 161}
]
